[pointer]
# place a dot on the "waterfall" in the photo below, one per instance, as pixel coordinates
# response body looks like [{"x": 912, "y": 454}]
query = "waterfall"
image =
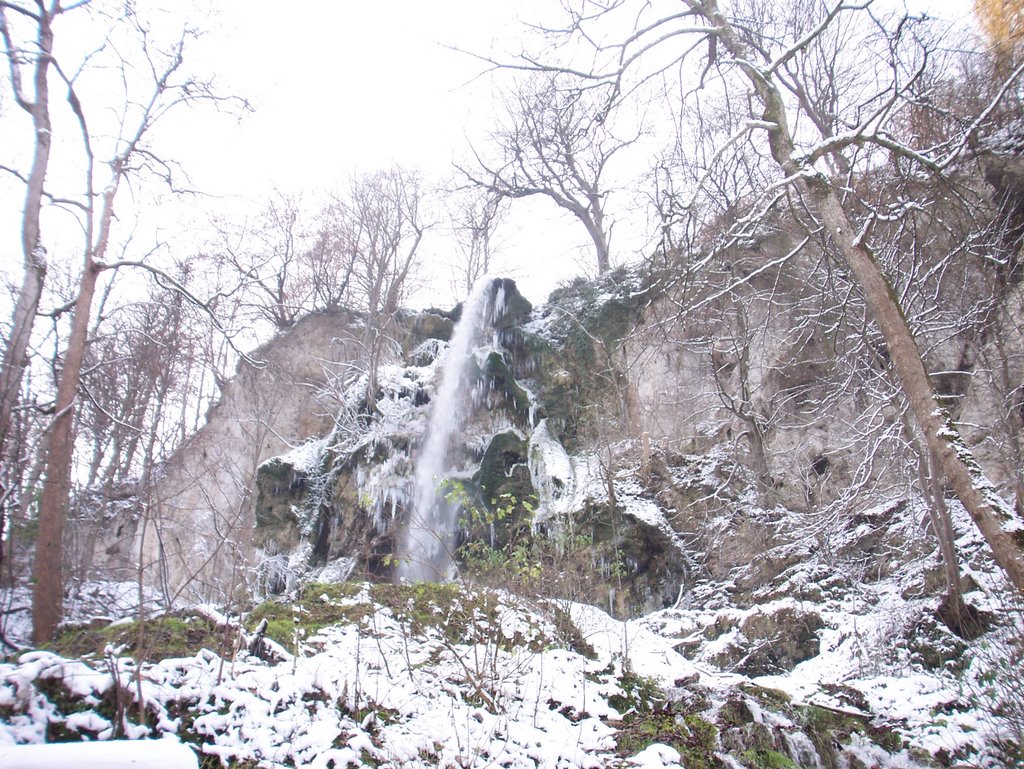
[
  {"x": 427, "y": 542},
  {"x": 802, "y": 750}
]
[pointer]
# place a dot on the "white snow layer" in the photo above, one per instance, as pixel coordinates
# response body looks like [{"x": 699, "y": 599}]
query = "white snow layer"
[
  {"x": 374, "y": 692},
  {"x": 167, "y": 753}
]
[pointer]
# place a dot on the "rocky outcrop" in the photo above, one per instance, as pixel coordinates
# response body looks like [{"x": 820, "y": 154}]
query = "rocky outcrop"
[
  {"x": 662, "y": 450},
  {"x": 197, "y": 543},
  {"x": 774, "y": 639}
]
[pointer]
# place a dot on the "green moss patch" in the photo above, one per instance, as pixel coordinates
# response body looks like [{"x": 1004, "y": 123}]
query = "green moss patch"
[
  {"x": 172, "y": 635},
  {"x": 456, "y": 614},
  {"x": 767, "y": 759},
  {"x": 318, "y": 606},
  {"x": 694, "y": 738}
]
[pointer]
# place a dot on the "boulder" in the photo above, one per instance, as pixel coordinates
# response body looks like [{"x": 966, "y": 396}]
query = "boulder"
[{"x": 768, "y": 640}]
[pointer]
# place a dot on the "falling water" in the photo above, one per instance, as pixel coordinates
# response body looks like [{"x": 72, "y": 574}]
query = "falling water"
[
  {"x": 802, "y": 750},
  {"x": 428, "y": 538}
]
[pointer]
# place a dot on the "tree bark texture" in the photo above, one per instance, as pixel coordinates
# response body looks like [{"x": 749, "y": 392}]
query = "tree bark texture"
[{"x": 47, "y": 572}]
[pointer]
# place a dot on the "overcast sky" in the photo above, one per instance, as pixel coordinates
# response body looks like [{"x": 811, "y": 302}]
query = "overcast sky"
[
  {"x": 342, "y": 83},
  {"x": 345, "y": 84},
  {"x": 340, "y": 86}
]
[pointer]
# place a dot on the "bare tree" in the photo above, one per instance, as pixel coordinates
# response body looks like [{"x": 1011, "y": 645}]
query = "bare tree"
[
  {"x": 30, "y": 62},
  {"x": 556, "y": 143},
  {"x": 805, "y": 141},
  {"x": 380, "y": 226},
  {"x": 475, "y": 216},
  {"x": 267, "y": 256},
  {"x": 329, "y": 262},
  {"x": 167, "y": 87}
]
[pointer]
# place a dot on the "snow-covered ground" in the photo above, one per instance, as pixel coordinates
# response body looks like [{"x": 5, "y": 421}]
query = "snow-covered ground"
[{"x": 500, "y": 687}]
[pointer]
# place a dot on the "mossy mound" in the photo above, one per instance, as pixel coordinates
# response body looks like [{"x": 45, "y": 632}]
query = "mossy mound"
[
  {"x": 457, "y": 614},
  {"x": 316, "y": 607},
  {"x": 171, "y": 635}
]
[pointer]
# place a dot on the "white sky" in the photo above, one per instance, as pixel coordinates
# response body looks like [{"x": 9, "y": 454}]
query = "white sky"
[
  {"x": 341, "y": 86},
  {"x": 345, "y": 85},
  {"x": 350, "y": 86}
]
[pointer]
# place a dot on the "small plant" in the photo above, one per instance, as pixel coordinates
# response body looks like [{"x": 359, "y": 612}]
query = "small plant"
[{"x": 997, "y": 689}]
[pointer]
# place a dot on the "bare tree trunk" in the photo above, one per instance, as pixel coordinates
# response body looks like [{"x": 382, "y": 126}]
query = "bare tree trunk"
[
  {"x": 15, "y": 361},
  {"x": 598, "y": 230},
  {"x": 989, "y": 513},
  {"x": 953, "y": 610},
  {"x": 33, "y": 255},
  {"x": 47, "y": 570},
  {"x": 48, "y": 587},
  {"x": 553, "y": 146}
]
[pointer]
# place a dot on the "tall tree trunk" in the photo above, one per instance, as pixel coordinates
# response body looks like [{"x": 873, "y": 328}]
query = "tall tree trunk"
[
  {"x": 33, "y": 255},
  {"x": 993, "y": 517},
  {"x": 47, "y": 570},
  {"x": 996, "y": 520}
]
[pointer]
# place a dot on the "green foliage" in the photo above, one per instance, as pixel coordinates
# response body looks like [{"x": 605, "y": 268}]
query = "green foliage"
[
  {"x": 767, "y": 759},
  {"x": 318, "y": 606},
  {"x": 577, "y": 560},
  {"x": 514, "y": 562}
]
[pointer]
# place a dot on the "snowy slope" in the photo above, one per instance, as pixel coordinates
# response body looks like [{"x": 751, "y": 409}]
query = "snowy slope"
[{"x": 426, "y": 676}]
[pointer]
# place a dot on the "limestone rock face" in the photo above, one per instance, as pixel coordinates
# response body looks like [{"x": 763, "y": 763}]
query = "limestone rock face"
[
  {"x": 200, "y": 536},
  {"x": 655, "y": 457}
]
